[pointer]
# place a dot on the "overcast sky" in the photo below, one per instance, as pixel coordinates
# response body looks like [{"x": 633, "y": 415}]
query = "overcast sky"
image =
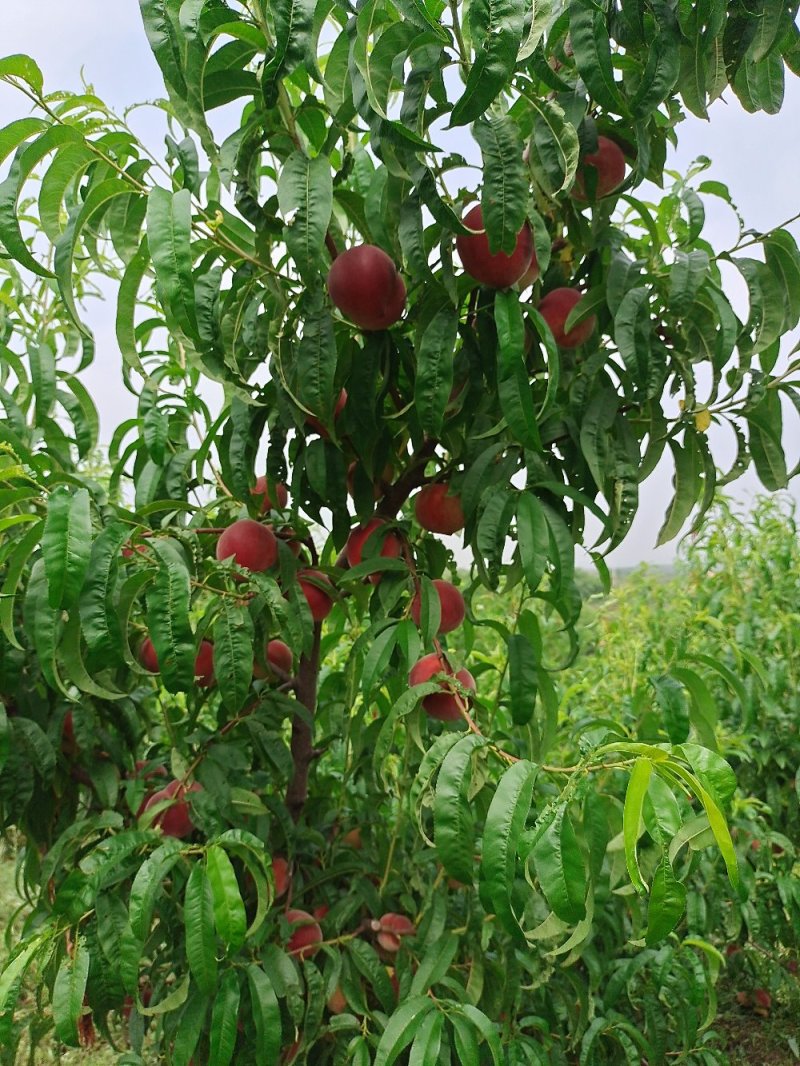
[{"x": 757, "y": 156}]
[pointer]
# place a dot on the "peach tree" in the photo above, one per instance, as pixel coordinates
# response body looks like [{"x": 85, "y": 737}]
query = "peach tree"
[{"x": 402, "y": 327}]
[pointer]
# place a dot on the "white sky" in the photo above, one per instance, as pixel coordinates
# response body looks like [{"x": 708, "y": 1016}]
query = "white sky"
[{"x": 757, "y": 156}]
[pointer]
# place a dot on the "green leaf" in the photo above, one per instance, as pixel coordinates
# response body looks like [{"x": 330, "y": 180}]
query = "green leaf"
[
  {"x": 672, "y": 702},
  {"x": 559, "y": 864},
  {"x": 190, "y": 1028},
  {"x": 11, "y": 978},
  {"x": 224, "y": 1018},
  {"x": 686, "y": 276},
  {"x": 783, "y": 259},
  {"x": 23, "y": 67},
  {"x": 523, "y": 678},
  {"x": 66, "y": 544},
  {"x": 168, "y": 603},
  {"x": 514, "y": 387},
  {"x": 555, "y": 149},
  {"x": 266, "y": 1016},
  {"x": 68, "y": 992},
  {"x": 233, "y": 653},
  {"x": 427, "y": 1042},
  {"x": 401, "y": 1029},
  {"x": 127, "y": 303},
  {"x": 632, "y": 818},
  {"x": 198, "y": 917},
  {"x": 667, "y": 902},
  {"x": 533, "y": 537},
  {"x": 704, "y": 712},
  {"x": 434, "y": 377},
  {"x": 148, "y": 884},
  {"x": 453, "y": 820},
  {"x": 496, "y": 27},
  {"x": 504, "y": 194},
  {"x": 765, "y": 424},
  {"x": 229, "y": 912},
  {"x": 663, "y": 66},
  {"x": 305, "y": 198},
  {"x": 372, "y": 969},
  {"x": 169, "y": 233},
  {"x": 98, "y": 611},
  {"x": 505, "y": 822},
  {"x": 592, "y": 49},
  {"x": 435, "y": 963},
  {"x": 14, "y": 567},
  {"x": 687, "y": 482},
  {"x": 293, "y": 22}
]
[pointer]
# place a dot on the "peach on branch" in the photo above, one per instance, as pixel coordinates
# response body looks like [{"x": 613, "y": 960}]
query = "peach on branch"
[
  {"x": 451, "y": 606},
  {"x": 445, "y": 705},
  {"x": 365, "y": 285},
  {"x": 281, "y": 874},
  {"x": 261, "y": 489},
  {"x": 306, "y": 936},
  {"x": 498, "y": 269},
  {"x": 607, "y": 165},
  {"x": 314, "y": 422},
  {"x": 147, "y": 656},
  {"x": 337, "y": 1001},
  {"x": 390, "y": 929},
  {"x": 174, "y": 820},
  {"x": 555, "y": 308},
  {"x": 437, "y": 510},
  {"x": 352, "y": 839},
  {"x": 391, "y": 547},
  {"x": 251, "y": 545},
  {"x": 204, "y": 664},
  {"x": 319, "y": 600}
]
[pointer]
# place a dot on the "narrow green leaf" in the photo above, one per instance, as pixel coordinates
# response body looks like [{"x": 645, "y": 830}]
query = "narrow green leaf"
[
  {"x": 68, "y": 992},
  {"x": 453, "y": 820},
  {"x": 293, "y": 21},
  {"x": 305, "y": 198},
  {"x": 198, "y": 917},
  {"x": 514, "y": 387},
  {"x": 229, "y": 913},
  {"x": 505, "y": 189},
  {"x": 233, "y": 653},
  {"x": 559, "y": 864},
  {"x": 66, "y": 544},
  {"x": 224, "y": 1018},
  {"x": 266, "y": 1016},
  {"x": 505, "y": 822},
  {"x": 555, "y": 149},
  {"x": 401, "y": 1029},
  {"x": 169, "y": 231},
  {"x": 168, "y": 603},
  {"x": 533, "y": 537},
  {"x": 496, "y": 27},
  {"x": 667, "y": 902},
  {"x": 632, "y": 817},
  {"x": 434, "y": 377},
  {"x": 589, "y": 35},
  {"x": 523, "y": 678}
]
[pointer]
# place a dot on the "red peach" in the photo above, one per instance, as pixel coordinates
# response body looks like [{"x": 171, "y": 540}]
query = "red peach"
[
  {"x": 306, "y": 937},
  {"x": 442, "y": 705},
  {"x": 607, "y": 163},
  {"x": 352, "y": 839},
  {"x": 391, "y": 548},
  {"x": 280, "y": 656},
  {"x": 555, "y": 308},
  {"x": 498, "y": 270},
  {"x": 314, "y": 422},
  {"x": 364, "y": 284},
  {"x": 147, "y": 656},
  {"x": 262, "y": 489},
  {"x": 320, "y": 602},
  {"x": 437, "y": 510},
  {"x": 175, "y": 820},
  {"x": 204, "y": 664},
  {"x": 250, "y": 544},
  {"x": 337, "y": 1001},
  {"x": 451, "y": 604},
  {"x": 281, "y": 875}
]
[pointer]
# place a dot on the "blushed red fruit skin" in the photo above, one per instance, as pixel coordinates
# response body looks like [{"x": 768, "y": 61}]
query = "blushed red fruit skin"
[
  {"x": 315, "y": 423},
  {"x": 175, "y": 821},
  {"x": 440, "y": 705},
  {"x": 204, "y": 664},
  {"x": 609, "y": 162},
  {"x": 147, "y": 656},
  {"x": 320, "y": 603},
  {"x": 452, "y": 607},
  {"x": 392, "y": 547},
  {"x": 498, "y": 270},
  {"x": 280, "y": 655},
  {"x": 306, "y": 938},
  {"x": 260, "y": 489},
  {"x": 555, "y": 308},
  {"x": 364, "y": 284},
  {"x": 337, "y": 1003},
  {"x": 352, "y": 839},
  {"x": 252, "y": 545},
  {"x": 69, "y": 745},
  {"x": 281, "y": 874},
  {"x": 391, "y": 927},
  {"x": 438, "y": 511}
]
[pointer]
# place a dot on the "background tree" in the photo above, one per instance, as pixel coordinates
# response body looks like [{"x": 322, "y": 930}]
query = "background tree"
[{"x": 277, "y": 802}]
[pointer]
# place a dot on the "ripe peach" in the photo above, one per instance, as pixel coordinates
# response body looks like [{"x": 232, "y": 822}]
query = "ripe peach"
[
  {"x": 320, "y": 602},
  {"x": 314, "y": 422},
  {"x": 175, "y": 820},
  {"x": 306, "y": 937},
  {"x": 251, "y": 545},
  {"x": 130, "y": 550},
  {"x": 497, "y": 270},
  {"x": 281, "y": 874},
  {"x": 555, "y": 308},
  {"x": 337, "y": 1001},
  {"x": 261, "y": 489},
  {"x": 391, "y": 928},
  {"x": 69, "y": 745},
  {"x": 204, "y": 664},
  {"x": 437, "y": 510},
  {"x": 364, "y": 284},
  {"x": 147, "y": 656},
  {"x": 280, "y": 656},
  {"x": 451, "y": 603},
  {"x": 607, "y": 163},
  {"x": 391, "y": 548},
  {"x": 443, "y": 705},
  {"x": 352, "y": 839}
]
